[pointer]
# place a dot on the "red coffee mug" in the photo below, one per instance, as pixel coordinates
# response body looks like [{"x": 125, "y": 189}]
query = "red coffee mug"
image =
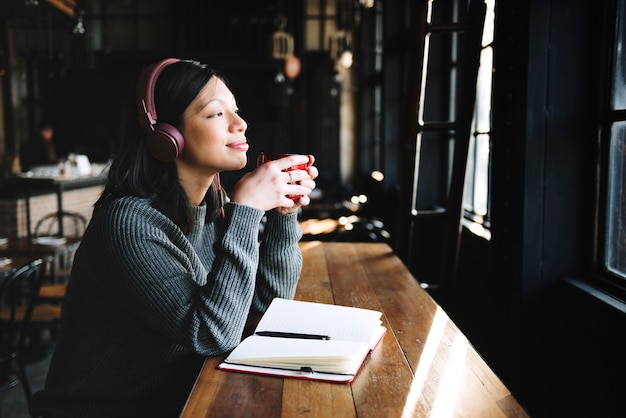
[{"x": 271, "y": 156}]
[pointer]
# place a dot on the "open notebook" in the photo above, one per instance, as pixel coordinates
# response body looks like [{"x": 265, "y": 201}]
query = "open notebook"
[{"x": 308, "y": 340}]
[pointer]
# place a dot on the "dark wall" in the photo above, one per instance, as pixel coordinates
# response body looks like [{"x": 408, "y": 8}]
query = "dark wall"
[
  {"x": 89, "y": 103},
  {"x": 84, "y": 84},
  {"x": 90, "y": 106}
]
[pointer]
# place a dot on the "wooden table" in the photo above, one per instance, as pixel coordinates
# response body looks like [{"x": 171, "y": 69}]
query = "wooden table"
[
  {"x": 16, "y": 262},
  {"x": 424, "y": 367},
  {"x": 59, "y": 184},
  {"x": 25, "y": 247}
]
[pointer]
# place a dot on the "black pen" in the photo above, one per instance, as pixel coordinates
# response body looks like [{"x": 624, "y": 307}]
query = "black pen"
[{"x": 292, "y": 335}]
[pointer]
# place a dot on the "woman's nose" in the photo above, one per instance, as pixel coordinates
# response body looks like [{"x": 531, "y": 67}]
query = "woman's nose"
[{"x": 239, "y": 123}]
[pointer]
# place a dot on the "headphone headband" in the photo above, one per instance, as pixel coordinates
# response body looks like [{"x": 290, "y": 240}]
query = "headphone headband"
[
  {"x": 164, "y": 141},
  {"x": 145, "y": 92}
]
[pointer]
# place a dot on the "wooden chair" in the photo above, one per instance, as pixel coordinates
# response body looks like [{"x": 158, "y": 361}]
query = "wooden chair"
[
  {"x": 66, "y": 224},
  {"x": 53, "y": 292},
  {"x": 22, "y": 319}
]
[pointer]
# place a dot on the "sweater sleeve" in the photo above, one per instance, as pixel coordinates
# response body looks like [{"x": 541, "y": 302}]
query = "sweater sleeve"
[
  {"x": 162, "y": 280},
  {"x": 280, "y": 262}
]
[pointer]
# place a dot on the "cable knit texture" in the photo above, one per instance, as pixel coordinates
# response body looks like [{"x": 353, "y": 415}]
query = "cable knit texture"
[{"x": 147, "y": 303}]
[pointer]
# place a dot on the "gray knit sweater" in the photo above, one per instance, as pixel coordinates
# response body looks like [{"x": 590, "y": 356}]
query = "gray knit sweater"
[{"x": 146, "y": 303}]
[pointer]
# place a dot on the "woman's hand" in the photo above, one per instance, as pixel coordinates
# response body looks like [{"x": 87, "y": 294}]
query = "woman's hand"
[{"x": 273, "y": 186}]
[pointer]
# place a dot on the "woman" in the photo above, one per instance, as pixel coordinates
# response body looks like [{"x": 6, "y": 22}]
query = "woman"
[{"x": 167, "y": 273}]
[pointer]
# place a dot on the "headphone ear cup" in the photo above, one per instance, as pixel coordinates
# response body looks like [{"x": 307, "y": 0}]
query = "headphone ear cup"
[{"x": 165, "y": 142}]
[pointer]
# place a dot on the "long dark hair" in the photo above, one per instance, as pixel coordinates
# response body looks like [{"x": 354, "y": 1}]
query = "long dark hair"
[{"x": 135, "y": 172}]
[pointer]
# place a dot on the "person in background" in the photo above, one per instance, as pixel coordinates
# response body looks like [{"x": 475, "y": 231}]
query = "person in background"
[
  {"x": 170, "y": 267},
  {"x": 40, "y": 149}
]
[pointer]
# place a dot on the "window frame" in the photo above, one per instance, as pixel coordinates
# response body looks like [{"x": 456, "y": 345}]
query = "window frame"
[
  {"x": 470, "y": 213},
  {"x": 602, "y": 276}
]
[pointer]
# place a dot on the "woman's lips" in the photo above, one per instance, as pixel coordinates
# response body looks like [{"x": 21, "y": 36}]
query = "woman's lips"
[{"x": 241, "y": 145}]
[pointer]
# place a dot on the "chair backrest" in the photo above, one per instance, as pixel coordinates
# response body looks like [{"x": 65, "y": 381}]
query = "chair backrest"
[
  {"x": 18, "y": 297},
  {"x": 19, "y": 293},
  {"x": 67, "y": 224}
]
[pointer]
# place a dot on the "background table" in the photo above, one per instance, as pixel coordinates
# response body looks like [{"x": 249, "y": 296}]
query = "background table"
[
  {"x": 424, "y": 366},
  {"x": 25, "y": 247},
  {"x": 16, "y": 262},
  {"x": 59, "y": 184}
]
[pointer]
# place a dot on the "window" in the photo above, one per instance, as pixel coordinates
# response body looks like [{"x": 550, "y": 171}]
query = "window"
[
  {"x": 476, "y": 196},
  {"x": 615, "y": 234},
  {"x": 613, "y": 207},
  {"x": 319, "y": 24}
]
